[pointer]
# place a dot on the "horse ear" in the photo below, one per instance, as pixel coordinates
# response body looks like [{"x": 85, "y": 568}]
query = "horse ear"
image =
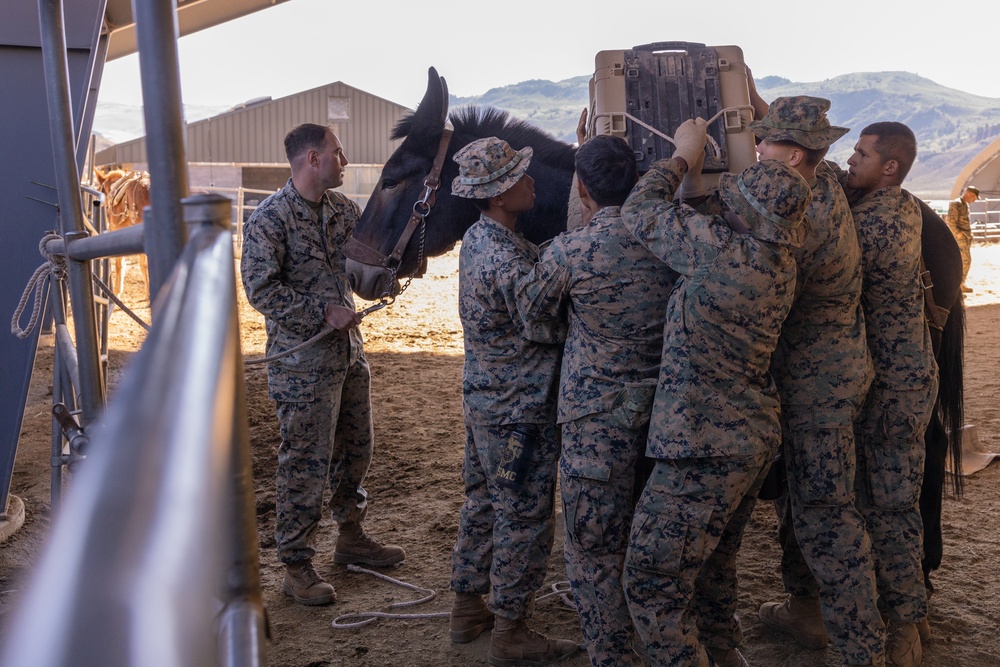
[
  {"x": 433, "y": 108},
  {"x": 444, "y": 101}
]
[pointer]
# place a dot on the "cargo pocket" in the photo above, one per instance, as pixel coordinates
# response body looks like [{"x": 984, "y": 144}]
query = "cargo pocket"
[
  {"x": 584, "y": 483},
  {"x": 291, "y": 386},
  {"x": 824, "y": 475},
  {"x": 668, "y": 535},
  {"x": 634, "y": 404},
  {"x": 895, "y": 463}
]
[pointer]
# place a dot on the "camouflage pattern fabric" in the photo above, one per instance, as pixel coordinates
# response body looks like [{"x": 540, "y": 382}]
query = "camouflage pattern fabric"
[
  {"x": 292, "y": 267},
  {"x": 961, "y": 227},
  {"x": 890, "y": 430},
  {"x": 615, "y": 293},
  {"x": 504, "y": 535},
  {"x": 680, "y": 569},
  {"x": 714, "y": 424},
  {"x": 507, "y": 379},
  {"x": 822, "y": 370}
]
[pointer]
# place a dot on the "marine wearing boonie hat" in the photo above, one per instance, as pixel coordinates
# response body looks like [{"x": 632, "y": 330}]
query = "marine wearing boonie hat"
[
  {"x": 489, "y": 167},
  {"x": 772, "y": 198},
  {"x": 801, "y": 119},
  {"x": 974, "y": 190}
]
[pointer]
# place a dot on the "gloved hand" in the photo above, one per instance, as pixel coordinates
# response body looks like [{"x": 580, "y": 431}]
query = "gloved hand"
[{"x": 689, "y": 142}]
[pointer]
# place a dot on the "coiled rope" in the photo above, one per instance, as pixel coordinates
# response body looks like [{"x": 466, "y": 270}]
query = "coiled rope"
[
  {"x": 356, "y": 620},
  {"x": 53, "y": 267}
]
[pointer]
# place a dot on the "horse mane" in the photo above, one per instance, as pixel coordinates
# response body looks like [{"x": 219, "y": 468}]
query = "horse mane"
[{"x": 479, "y": 121}]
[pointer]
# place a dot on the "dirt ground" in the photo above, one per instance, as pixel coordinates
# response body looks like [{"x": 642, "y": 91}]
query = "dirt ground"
[{"x": 415, "y": 491}]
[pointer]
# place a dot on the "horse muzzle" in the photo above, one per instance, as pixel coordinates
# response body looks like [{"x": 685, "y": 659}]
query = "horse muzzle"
[{"x": 371, "y": 282}]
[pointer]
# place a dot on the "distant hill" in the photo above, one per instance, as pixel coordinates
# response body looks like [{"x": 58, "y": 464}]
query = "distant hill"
[{"x": 951, "y": 126}]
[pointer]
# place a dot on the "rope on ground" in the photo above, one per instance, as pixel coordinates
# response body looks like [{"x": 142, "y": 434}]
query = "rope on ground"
[
  {"x": 53, "y": 267},
  {"x": 118, "y": 302},
  {"x": 347, "y": 621}
]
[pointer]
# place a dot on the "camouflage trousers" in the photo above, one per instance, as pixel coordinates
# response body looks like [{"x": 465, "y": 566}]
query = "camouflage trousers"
[
  {"x": 826, "y": 550},
  {"x": 504, "y": 535},
  {"x": 597, "y": 477},
  {"x": 328, "y": 439},
  {"x": 891, "y": 452},
  {"x": 680, "y": 567},
  {"x": 964, "y": 239}
]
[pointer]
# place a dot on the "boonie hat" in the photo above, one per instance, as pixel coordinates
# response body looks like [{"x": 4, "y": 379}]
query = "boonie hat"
[
  {"x": 974, "y": 190},
  {"x": 801, "y": 119},
  {"x": 772, "y": 198},
  {"x": 488, "y": 167}
]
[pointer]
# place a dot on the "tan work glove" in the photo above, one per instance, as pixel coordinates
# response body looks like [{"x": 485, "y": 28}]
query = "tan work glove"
[{"x": 689, "y": 142}]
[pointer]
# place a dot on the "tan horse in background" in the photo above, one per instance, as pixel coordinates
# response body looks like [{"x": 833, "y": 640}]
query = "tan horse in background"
[{"x": 126, "y": 193}]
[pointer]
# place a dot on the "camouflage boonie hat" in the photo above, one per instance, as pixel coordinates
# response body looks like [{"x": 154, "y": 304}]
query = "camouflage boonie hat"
[
  {"x": 488, "y": 167},
  {"x": 772, "y": 198},
  {"x": 800, "y": 119}
]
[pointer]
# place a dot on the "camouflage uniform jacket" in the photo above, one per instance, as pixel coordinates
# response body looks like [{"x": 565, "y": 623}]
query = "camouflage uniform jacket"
[
  {"x": 715, "y": 396},
  {"x": 822, "y": 357},
  {"x": 507, "y": 379},
  {"x": 292, "y": 267},
  {"x": 889, "y": 225},
  {"x": 616, "y": 294},
  {"x": 958, "y": 215}
]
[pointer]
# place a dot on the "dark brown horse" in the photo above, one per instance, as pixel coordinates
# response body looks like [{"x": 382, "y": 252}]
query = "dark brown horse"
[{"x": 375, "y": 267}]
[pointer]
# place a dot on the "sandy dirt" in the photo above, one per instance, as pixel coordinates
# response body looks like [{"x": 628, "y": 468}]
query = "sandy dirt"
[{"x": 415, "y": 491}]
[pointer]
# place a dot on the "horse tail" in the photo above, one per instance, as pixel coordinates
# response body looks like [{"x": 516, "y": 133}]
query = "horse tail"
[{"x": 950, "y": 401}]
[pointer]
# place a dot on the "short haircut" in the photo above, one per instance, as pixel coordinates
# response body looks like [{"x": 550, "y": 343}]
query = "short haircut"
[
  {"x": 813, "y": 156},
  {"x": 895, "y": 142},
  {"x": 606, "y": 167},
  {"x": 303, "y": 138},
  {"x": 482, "y": 204}
]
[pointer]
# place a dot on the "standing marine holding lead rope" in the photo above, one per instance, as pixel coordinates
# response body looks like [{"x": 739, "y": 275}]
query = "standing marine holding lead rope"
[{"x": 294, "y": 273}]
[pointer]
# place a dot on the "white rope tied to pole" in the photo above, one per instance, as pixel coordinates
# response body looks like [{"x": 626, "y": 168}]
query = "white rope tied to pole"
[{"x": 54, "y": 267}]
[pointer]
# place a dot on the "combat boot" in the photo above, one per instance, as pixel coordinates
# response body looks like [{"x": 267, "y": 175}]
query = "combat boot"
[
  {"x": 924, "y": 630},
  {"x": 355, "y": 547},
  {"x": 904, "y": 648},
  {"x": 514, "y": 644},
  {"x": 799, "y": 617},
  {"x": 469, "y": 617},
  {"x": 305, "y": 586},
  {"x": 728, "y": 657}
]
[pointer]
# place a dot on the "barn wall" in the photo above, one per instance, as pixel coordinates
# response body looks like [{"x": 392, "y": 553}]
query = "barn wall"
[{"x": 255, "y": 133}]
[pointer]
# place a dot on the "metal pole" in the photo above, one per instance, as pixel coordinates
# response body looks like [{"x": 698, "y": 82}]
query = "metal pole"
[
  {"x": 53, "y": 39},
  {"x": 156, "y": 34}
]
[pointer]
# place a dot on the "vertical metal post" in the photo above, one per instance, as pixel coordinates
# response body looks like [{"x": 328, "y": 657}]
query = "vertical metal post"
[
  {"x": 81, "y": 293},
  {"x": 165, "y": 235}
]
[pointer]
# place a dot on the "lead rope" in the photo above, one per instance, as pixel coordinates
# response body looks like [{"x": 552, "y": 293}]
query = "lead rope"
[{"x": 356, "y": 620}]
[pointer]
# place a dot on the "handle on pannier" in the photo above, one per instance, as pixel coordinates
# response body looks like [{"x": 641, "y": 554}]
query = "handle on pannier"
[{"x": 668, "y": 46}]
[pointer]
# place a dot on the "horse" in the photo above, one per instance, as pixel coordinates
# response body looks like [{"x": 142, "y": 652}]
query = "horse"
[
  {"x": 407, "y": 198},
  {"x": 126, "y": 194}
]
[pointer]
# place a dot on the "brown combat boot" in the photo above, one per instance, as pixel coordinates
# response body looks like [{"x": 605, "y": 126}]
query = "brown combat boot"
[
  {"x": 799, "y": 617},
  {"x": 355, "y": 547},
  {"x": 305, "y": 586},
  {"x": 903, "y": 648},
  {"x": 515, "y": 645},
  {"x": 924, "y": 630},
  {"x": 469, "y": 617}
]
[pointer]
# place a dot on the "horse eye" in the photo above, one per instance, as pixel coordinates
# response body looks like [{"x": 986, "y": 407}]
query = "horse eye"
[{"x": 388, "y": 184}]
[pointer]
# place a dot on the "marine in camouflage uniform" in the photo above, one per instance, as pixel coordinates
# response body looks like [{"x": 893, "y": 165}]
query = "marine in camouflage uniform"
[
  {"x": 961, "y": 227},
  {"x": 822, "y": 369},
  {"x": 715, "y": 427},
  {"x": 615, "y": 293},
  {"x": 293, "y": 271},
  {"x": 890, "y": 429},
  {"x": 505, "y": 534}
]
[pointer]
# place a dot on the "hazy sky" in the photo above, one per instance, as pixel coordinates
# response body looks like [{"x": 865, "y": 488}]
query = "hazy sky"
[{"x": 385, "y": 46}]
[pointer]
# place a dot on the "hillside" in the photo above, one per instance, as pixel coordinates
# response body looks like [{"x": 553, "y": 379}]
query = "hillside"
[{"x": 951, "y": 126}]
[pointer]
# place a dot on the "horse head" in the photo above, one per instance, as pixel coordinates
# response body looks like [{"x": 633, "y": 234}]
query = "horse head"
[{"x": 412, "y": 214}]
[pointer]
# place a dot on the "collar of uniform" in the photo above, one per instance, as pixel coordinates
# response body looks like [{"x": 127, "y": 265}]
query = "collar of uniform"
[{"x": 301, "y": 209}]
